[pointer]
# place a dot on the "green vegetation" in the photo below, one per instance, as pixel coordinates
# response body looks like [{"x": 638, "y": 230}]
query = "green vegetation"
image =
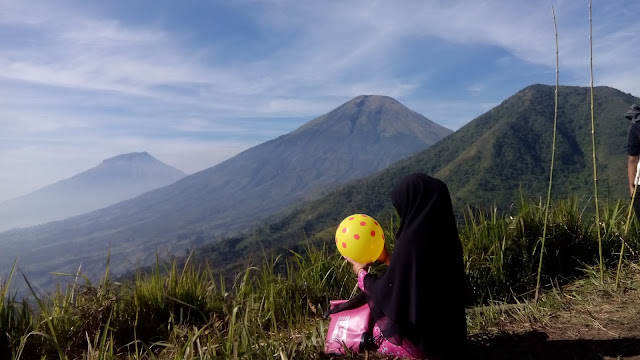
[
  {"x": 274, "y": 310},
  {"x": 484, "y": 164}
]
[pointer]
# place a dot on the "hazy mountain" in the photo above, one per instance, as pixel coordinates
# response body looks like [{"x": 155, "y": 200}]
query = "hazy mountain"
[
  {"x": 356, "y": 139},
  {"x": 483, "y": 163},
  {"x": 116, "y": 179}
]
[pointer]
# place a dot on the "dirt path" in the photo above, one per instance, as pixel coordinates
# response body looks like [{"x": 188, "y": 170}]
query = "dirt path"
[{"x": 585, "y": 321}]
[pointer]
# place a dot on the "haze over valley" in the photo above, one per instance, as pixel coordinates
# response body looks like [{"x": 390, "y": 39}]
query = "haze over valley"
[
  {"x": 357, "y": 139},
  {"x": 115, "y": 179}
]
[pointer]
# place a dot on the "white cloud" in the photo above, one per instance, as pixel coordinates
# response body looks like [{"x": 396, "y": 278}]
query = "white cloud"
[
  {"x": 476, "y": 88},
  {"x": 340, "y": 49},
  {"x": 77, "y": 87},
  {"x": 523, "y": 29}
]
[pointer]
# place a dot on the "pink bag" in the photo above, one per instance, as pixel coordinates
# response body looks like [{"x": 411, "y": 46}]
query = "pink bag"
[{"x": 350, "y": 327}]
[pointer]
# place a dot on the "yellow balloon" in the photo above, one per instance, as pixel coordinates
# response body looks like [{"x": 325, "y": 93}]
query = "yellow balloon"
[{"x": 360, "y": 237}]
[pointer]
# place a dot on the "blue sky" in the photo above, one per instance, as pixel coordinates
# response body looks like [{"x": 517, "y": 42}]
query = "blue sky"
[{"x": 196, "y": 82}]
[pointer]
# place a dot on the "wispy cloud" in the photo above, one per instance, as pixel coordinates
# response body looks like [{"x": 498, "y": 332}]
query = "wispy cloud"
[{"x": 173, "y": 86}]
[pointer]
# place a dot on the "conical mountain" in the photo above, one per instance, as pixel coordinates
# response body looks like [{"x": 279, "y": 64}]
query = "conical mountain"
[
  {"x": 357, "y": 139},
  {"x": 484, "y": 163},
  {"x": 116, "y": 179}
]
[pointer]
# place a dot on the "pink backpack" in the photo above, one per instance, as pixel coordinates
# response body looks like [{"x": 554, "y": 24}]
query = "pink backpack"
[{"x": 350, "y": 326}]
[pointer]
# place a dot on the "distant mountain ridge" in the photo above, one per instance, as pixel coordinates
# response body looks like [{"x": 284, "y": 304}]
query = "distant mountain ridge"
[
  {"x": 115, "y": 179},
  {"x": 484, "y": 163},
  {"x": 356, "y": 139}
]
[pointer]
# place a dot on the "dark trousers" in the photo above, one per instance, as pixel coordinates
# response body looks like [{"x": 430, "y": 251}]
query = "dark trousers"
[{"x": 636, "y": 206}]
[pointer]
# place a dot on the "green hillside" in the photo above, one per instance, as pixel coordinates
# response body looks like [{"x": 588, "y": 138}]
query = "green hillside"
[
  {"x": 484, "y": 163},
  {"x": 487, "y": 160},
  {"x": 274, "y": 308}
]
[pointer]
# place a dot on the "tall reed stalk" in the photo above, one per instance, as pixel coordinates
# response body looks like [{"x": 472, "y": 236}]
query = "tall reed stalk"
[
  {"x": 626, "y": 233},
  {"x": 553, "y": 154},
  {"x": 628, "y": 222},
  {"x": 593, "y": 142}
]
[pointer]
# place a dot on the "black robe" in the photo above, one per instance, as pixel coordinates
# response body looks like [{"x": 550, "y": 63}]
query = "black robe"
[{"x": 422, "y": 294}]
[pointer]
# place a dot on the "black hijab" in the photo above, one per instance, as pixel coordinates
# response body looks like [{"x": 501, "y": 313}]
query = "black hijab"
[{"x": 421, "y": 295}]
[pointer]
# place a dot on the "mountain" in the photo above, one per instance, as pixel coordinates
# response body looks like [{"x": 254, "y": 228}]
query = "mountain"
[
  {"x": 356, "y": 139},
  {"x": 483, "y": 163},
  {"x": 116, "y": 179}
]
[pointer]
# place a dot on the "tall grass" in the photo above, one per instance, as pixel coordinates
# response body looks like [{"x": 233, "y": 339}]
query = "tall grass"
[
  {"x": 274, "y": 309},
  {"x": 187, "y": 312},
  {"x": 502, "y": 252},
  {"x": 15, "y": 318}
]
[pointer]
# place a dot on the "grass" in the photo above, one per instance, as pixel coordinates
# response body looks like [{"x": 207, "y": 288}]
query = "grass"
[{"x": 274, "y": 309}]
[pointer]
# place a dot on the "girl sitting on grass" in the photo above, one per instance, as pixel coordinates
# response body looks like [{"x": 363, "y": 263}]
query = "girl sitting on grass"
[{"x": 418, "y": 302}]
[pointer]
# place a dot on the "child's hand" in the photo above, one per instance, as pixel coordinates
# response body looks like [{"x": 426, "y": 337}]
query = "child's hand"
[
  {"x": 384, "y": 256},
  {"x": 357, "y": 267}
]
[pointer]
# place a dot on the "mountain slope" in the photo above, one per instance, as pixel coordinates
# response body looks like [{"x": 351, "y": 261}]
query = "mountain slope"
[
  {"x": 485, "y": 162},
  {"x": 116, "y": 179},
  {"x": 510, "y": 147},
  {"x": 356, "y": 139}
]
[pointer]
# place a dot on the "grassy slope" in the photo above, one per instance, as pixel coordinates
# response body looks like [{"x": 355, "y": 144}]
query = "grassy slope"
[
  {"x": 483, "y": 163},
  {"x": 273, "y": 310}
]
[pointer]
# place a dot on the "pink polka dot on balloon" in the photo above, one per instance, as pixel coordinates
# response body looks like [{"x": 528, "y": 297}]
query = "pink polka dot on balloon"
[
  {"x": 356, "y": 236},
  {"x": 344, "y": 244},
  {"x": 362, "y": 223},
  {"x": 351, "y": 218},
  {"x": 373, "y": 233},
  {"x": 364, "y": 215},
  {"x": 344, "y": 230},
  {"x": 375, "y": 222}
]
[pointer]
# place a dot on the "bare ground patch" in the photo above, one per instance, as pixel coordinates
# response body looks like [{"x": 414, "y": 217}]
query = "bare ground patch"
[{"x": 585, "y": 320}]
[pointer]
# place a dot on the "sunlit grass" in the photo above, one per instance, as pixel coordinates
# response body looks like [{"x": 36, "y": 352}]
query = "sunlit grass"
[{"x": 274, "y": 309}]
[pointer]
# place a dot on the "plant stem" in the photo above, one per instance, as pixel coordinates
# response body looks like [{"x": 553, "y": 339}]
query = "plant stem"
[
  {"x": 626, "y": 233},
  {"x": 593, "y": 142},
  {"x": 553, "y": 154}
]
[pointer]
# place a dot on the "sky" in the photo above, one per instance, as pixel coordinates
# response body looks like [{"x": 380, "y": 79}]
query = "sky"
[{"x": 195, "y": 82}]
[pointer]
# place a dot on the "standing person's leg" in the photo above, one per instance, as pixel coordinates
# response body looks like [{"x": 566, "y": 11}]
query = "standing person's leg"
[{"x": 636, "y": 206}]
